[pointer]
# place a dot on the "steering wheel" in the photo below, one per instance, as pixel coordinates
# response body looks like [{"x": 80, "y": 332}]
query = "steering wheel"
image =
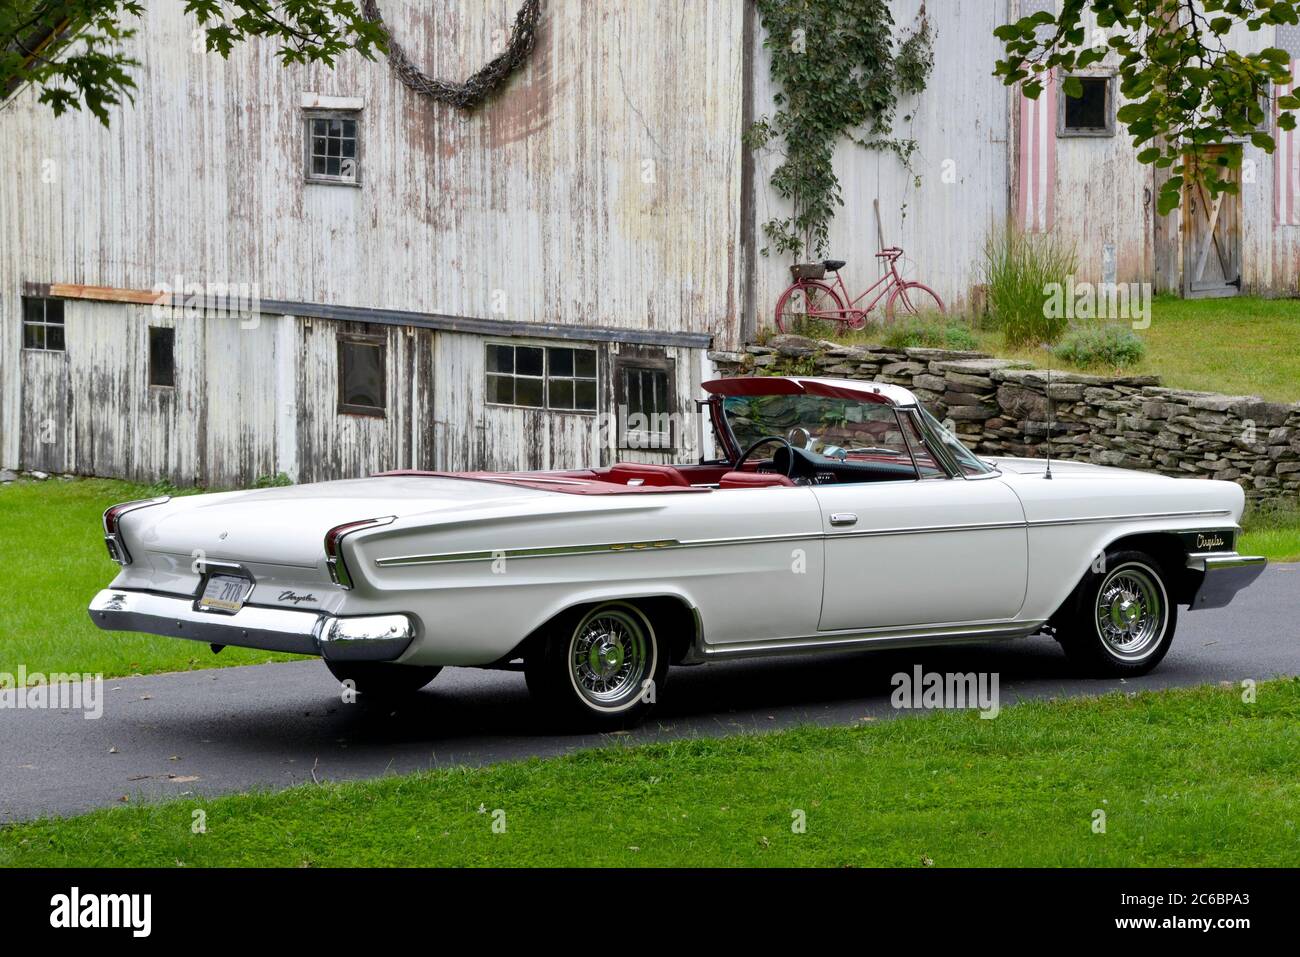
[{"x": 789, "y": 465}]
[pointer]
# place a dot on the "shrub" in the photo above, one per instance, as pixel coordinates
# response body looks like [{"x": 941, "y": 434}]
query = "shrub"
[
  {"x": 1018, "y": 270},
  {"x": 272, "y": 481},
  {"x": 931, "y": 333},
  {"x": 1101, "y": 346}
]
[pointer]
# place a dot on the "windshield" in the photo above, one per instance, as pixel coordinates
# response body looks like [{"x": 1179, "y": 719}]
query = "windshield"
[
  {"x": 815, "y": 423},
  {"x": 842, "y": 428}
]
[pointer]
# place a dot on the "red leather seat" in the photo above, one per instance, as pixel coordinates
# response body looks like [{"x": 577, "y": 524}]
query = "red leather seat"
[
  {"x": 624, "y": 472},
  {"x": 754, "y": 480}
]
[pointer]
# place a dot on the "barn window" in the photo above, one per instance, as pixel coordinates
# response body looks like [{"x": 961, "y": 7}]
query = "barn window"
[
  {"x": 362, "y": 378},
  {"x": 1093, "y": 112},
  {"x": 333, "y": 147},
  {"x": 645, "y": 403},
  {"x": 162, "y": 356},
  {"x": 43, "y": 324},
  {"x": 571, "y": 379},
  {"x": 562, "y": 378}
]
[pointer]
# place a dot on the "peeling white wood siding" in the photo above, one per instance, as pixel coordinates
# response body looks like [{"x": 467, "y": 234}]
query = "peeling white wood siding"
[{"x": 601, "y": 187}]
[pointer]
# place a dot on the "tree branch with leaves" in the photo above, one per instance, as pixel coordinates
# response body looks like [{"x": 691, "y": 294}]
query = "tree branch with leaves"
[
  {"x": 75, "y": 51},
  {"x": 1186, "y": 87}
]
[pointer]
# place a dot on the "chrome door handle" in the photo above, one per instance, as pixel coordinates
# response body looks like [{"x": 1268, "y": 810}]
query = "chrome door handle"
[{"x": 843, "y": 518}]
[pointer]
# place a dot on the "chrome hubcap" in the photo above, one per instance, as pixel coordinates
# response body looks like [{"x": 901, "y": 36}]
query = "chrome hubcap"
[
  {"x": 605, "y": 657},
  {"x": 609, "y": 657},
  {"x": 1131, "y": 612}
]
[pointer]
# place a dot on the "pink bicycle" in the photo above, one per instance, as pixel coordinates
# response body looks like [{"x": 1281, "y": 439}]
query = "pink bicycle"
[{"x": 811, "y": 298}]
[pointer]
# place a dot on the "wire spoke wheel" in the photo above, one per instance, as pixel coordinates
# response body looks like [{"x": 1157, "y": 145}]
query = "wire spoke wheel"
[
  {"x": 807, "y": 307},
  {"x": 610, "y": 657},
  {"x": 1130, "y": 612},
  {"x": 913, "y": 300}
]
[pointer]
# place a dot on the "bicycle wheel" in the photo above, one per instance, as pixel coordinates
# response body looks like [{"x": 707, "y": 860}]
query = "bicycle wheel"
[
  {"x": 807, "y": 307},
  {"x": 913, "y": 299}
]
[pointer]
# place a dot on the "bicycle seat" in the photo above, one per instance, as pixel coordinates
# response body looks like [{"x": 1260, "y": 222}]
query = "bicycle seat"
[{"x": 834, "y": 265}]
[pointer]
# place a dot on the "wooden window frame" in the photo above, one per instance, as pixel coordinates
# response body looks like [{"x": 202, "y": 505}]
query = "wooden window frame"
[
  {"x": 545, "y": 378},
  {"x": 150, "y": 370},
  {"x": 664, "y": 365},
  {"x": 325, "y": 179},
  {"x": 346, "y": 339},
  {"x": 44, "y": 325},
  {"x": 1112, "y": 88}
]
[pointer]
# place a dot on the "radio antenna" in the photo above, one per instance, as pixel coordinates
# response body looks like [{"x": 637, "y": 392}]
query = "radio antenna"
[{"x": 1048, "y": 474}]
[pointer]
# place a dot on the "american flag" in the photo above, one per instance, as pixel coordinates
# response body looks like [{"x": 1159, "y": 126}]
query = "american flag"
[
  {"x": 1036, "y": 163},
  {"x": 1286, "y": 158}
]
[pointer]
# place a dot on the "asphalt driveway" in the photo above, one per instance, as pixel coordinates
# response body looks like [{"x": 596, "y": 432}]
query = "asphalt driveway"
[{"x": 273, "y": 726}]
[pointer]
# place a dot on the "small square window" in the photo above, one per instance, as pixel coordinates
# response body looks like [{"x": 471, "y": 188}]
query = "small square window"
[
  {"x": 362, "y": 375},
  {"x": 333, "y": 148},
  {"x": 1092, "y": 113},
  {"x": 561, "y": 378},
  {"x": 645, "y": 404},
  {"x": 162, "y": 356},
  {"x": 43, "y": 324}
]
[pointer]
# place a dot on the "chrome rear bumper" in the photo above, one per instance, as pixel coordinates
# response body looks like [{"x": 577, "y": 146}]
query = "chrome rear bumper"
[
  {"x": 1225, "y": 574},
  {"x": 368, "y": 638}
]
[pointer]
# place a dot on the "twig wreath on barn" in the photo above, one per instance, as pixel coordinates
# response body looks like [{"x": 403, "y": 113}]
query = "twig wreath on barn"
[{"x": 476, "y": 89}]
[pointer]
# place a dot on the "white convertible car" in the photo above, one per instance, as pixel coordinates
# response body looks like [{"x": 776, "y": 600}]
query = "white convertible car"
[{"x": 839, "y": 515}]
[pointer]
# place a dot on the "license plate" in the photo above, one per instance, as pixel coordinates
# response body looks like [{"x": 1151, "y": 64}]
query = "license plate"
[{"x": 225, "y": 593}]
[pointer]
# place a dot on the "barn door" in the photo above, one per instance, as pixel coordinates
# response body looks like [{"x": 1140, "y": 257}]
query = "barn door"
[{"x": 1212, "y": 239}]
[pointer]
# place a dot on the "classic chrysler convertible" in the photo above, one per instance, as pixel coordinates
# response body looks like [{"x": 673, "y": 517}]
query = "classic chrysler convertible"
[{"x": 839, "y": 515}]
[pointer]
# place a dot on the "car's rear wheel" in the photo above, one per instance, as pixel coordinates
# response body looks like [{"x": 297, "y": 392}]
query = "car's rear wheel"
[
  {"x": 599, "y": 667},
  {"x": 1122, "y": 620},
  {"x": 382, "y": 680}
]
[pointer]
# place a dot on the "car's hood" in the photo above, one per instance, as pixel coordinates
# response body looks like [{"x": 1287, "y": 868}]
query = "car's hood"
[
  {"x": 1067, "y": 469},
  {"x": 1080, "y": 491}
]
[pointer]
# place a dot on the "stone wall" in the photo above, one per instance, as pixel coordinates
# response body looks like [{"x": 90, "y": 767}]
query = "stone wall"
[{"x": 1000, "y": 407}]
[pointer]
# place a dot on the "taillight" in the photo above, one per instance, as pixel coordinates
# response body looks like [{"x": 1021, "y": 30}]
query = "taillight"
[
  {"x": 334, "y": 540},
  {"x": 113, "y": 516}
]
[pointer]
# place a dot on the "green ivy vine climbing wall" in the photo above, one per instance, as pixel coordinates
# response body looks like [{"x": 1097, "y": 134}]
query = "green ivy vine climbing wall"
[{"x": 839, "y": 74}]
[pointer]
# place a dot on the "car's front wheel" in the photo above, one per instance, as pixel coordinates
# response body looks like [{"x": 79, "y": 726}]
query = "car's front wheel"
[
  {"x": 599, "y": 667},
  {"x": 1121, "y": 621},
  {"x": 381, "y": 680}
]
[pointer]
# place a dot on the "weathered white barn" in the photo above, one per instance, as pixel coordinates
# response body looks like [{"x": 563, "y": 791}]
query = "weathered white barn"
[{"x": 406, "y": 285}]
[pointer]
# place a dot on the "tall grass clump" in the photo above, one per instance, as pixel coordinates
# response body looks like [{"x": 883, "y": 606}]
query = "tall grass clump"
[{"x": 1018, "y": 270}]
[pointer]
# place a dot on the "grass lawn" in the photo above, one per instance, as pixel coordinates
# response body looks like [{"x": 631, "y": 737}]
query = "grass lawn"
[
  {"x": 1244, "y": 346},
  {"x": 1274, "y": 534},
  {"x": 51, "y": 564},
  {"x": 1194, "y": 777}
]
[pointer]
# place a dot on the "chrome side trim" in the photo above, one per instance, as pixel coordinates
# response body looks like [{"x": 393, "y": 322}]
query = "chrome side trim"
[
  {"x": 925, "y": 529},
  {"x": 398, "y": 561},
  {"x": 1045, "y": 522},
  {"x": 847, "y": 641},
  {"x": 540, "y": 552}
]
